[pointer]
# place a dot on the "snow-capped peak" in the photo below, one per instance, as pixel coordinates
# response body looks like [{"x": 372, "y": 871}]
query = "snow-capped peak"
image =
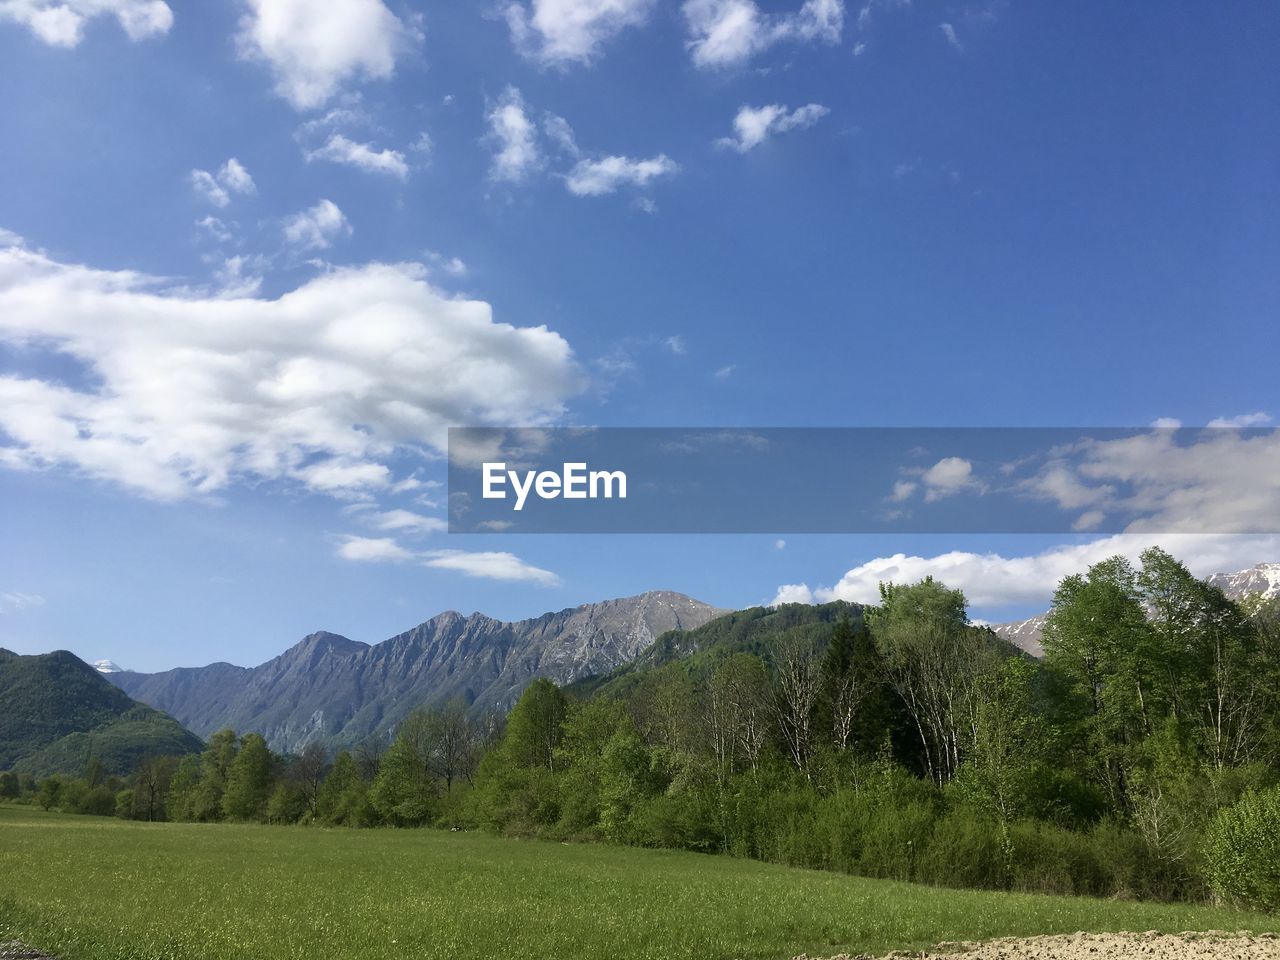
[{"x": 106, "y": 666}]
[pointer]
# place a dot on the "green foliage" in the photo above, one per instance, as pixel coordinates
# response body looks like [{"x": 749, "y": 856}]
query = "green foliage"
[
  {"x": 344, "y": 797},
  {"x": 61, "y": 715},
  {"x": 1242, "y": 850},
  {"x": 403, "y": 793},
  {"x": 249, "y": 780}
]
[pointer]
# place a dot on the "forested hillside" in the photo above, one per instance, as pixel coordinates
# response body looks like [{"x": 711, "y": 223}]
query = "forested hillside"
[
  {"x": 60, "y": 715},
  {"x": 1139, "y": 758}
]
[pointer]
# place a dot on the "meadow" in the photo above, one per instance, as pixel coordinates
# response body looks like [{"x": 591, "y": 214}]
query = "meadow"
[{"x": 90, "y": 888}]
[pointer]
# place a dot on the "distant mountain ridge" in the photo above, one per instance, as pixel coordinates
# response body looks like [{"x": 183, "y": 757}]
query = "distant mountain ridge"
[
  {"x": 59, "y": 713},
  {"x": 339, "y": 691},
  {"x": 1262, "y": 580}
]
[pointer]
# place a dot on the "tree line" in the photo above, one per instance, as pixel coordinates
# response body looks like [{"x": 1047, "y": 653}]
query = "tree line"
[{"x": 1140, "y": 757}]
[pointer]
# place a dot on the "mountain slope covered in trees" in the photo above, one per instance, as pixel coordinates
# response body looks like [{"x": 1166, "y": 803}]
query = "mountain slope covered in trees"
[
  {"x": 336, "y": 691},
  {"x": 60, "y": 715}
]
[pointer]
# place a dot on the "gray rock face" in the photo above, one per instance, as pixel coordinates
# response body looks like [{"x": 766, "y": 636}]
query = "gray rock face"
[
  {"x": 1024, "y": 634},
  {"x": 339, "y": 691},
  {"x": 1262, "y": 580}
]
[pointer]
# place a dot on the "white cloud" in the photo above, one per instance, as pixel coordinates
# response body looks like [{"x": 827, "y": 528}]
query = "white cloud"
[
  {"x": 754, "y": 125},
  {"x": 515, "y": 139},
  {"x": 240, "y": 276},
  {"x": 340, "y": 149},
  {"x": 902, "y": 490},
  {"x": 780, "y": 544},
  {"x": 60, "y": 23},
  {"x": 1243, "y": 420},
  {"x": 793, "y": 593},
  {"x": 948, "y": 476},
  {"x": 993, "y": 580},
  {"x": 453, "y": 266},
  {"x": 184, "y": 394},
  {"x": 490, "y": 566},
  {"x": 316, "y": 227},
  {"x": 409, "y": 522},
  {"x": 594, "y": 178},
  {"x": 372, "y": 550},
  {"x": 1166, "y": 423},
  {"x": 16, "y": 602},
  {"x": 1189, "y": 481},
  {"x": 676, "y": 345},
  {"x": 566, "y": 31},
  {"x": 217, "y": 188},
  {"x": 212, "y": 225},
  {"x": 949, "y": 32},
  {"x": 315, "y": 48},
  {"x": 236, "y": 178},
  {"x": 559, "y": 131},
  {"x": 729, "y": 32},
  {"x": 725, "y": 372}
]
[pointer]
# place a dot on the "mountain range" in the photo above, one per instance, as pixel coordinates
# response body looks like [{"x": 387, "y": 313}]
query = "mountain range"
[
  {"x": 337, "y": 691},
  {"x": 60, "y": 713},
  {"x": 1262, "y": 580}
]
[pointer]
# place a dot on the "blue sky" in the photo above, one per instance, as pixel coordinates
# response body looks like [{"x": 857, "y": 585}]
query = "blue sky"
[{"x": 223, "y": 385}]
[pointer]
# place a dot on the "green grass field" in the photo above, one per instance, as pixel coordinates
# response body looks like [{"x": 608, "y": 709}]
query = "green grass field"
[{"x": 90, "y": 889}]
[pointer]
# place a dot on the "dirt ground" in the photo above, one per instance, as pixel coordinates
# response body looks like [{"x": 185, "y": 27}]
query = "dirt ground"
[
  {"x": 1101, "y": 946},
  {"x": 13, "y": 950}
]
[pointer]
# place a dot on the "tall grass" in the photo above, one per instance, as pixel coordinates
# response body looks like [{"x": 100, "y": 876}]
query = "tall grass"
[{"x": 91, "y": 889}]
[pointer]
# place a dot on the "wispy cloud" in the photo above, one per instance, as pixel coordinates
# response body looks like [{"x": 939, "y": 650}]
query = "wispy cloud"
[
  {"x": 362, "y": 156},
  {"x": 724, "y": 33},
  {"x": 753, "y": 125},
  {"x": 217, "y": 188}
]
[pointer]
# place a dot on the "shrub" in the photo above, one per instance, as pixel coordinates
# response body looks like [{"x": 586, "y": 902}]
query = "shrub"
[{"x": 1242, "y": 851}]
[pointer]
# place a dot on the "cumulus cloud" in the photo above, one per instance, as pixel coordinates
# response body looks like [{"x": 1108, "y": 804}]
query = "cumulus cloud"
[
  {"x": 514, "y": 138},
  {"x": 315, "y": 48},
  {"x": 1215, "y": 480},
  {"x": 517, "y": 142},
  {"x": 558, "y": 32},
  {"x": 183, "y": 394},
  {"x": 753, "y": 125},
  {"x": 994, "y": 580},
  {"x": 316, "y": 227},
  {"x": 363, "y": 156},
  {"x": 60, "y": 23},
  {"x": 725, "y": 33},
  {"x": 947, "y": 477},
  {"x": 217, "y": 188},
  {"x": 594, "y": 178}
]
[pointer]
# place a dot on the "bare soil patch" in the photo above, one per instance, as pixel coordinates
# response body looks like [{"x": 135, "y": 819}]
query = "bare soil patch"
[
  {"x": 1101, "y": 946},
  {"x": 13, "y": 950}
]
